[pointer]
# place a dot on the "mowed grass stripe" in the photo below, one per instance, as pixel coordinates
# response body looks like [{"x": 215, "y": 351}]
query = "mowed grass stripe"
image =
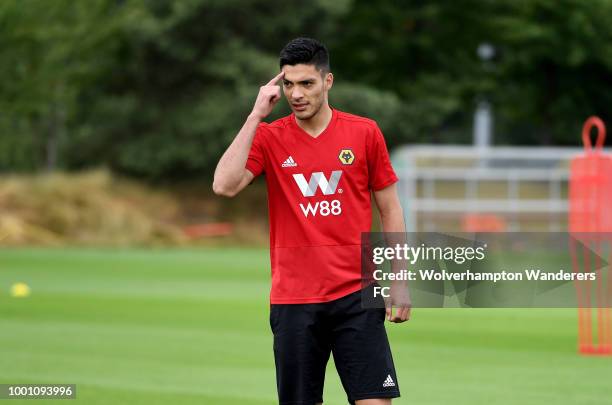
[
  {"x": 224, "y": 264},
  {"x": 141, "y": 343},
  {"x": 135, "y": 288}
]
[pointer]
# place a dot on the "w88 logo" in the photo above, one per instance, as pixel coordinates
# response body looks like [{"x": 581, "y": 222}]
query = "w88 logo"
[{"x": 323, "y": 208}]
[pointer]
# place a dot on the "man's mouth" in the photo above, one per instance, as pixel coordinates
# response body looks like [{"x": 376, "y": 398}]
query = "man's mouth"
[{"x": 299, "y": 107}]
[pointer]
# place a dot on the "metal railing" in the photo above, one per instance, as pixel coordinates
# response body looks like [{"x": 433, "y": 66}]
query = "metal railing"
[{"x": 428, "y": 172}]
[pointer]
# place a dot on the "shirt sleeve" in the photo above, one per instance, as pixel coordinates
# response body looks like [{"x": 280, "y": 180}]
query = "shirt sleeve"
[
  {"x": 256, "y": 162},
  {"x": 381, "y": 173}
]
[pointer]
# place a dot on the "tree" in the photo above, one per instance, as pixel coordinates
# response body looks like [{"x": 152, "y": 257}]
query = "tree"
[{"x": 158, "y": 88}]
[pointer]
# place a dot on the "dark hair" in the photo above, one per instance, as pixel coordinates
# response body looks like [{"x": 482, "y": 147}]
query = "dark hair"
[{"x": 305, "y": 51}]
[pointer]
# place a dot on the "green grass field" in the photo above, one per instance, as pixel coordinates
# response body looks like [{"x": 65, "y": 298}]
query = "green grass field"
[{"x": 191, "y": 327}]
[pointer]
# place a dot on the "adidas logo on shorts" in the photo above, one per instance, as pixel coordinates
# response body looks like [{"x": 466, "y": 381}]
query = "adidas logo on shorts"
[
  {"x": 389, "y": 382},
  {"x": 289, "y": 162}
]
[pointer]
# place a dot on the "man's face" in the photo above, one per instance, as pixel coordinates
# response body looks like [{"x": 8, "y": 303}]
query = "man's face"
[{"x": 305, "y": 89}]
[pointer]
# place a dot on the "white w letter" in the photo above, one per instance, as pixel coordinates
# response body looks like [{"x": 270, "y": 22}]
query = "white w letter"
[{"x": 317, "y": 179}]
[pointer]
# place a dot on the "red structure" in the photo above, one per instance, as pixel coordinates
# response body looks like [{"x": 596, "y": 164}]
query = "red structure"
[
  {"x": 590, "y": 226},
  {"x": 208, "y": 230},
  {"x": 483, "y": 223}
]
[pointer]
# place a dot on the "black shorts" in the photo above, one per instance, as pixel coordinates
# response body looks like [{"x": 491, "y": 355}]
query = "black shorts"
[{"x": 306, "y": 334}]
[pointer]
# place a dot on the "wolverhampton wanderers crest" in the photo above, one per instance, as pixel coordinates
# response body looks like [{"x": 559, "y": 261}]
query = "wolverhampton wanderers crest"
[{"x": 346, "y": 156}]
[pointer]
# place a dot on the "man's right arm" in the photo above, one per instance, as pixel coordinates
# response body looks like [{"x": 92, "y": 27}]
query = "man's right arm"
[{"x": 231, "y": 176}]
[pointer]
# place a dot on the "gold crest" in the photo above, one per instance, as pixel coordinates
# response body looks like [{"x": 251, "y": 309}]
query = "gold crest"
[{"x": 346, "y": 156}]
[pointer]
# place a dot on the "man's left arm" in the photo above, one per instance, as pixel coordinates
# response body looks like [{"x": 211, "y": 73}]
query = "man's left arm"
[{"x": 392, "y": 218}]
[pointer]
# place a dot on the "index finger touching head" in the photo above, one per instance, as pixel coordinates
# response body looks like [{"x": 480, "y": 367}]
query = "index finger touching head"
[{"x": 276, "y": 78}]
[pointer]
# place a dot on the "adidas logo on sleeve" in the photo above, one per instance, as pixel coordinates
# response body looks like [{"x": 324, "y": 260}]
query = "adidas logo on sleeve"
[
  {"x": 389, "y": 382},
  {"x": 289, "y": 162}
]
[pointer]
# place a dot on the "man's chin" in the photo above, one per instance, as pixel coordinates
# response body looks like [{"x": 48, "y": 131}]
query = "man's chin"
[{"x": 303, "y": 115}]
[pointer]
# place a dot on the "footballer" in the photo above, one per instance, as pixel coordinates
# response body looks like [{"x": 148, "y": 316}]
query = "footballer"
[{"x": 321, "y": 168}]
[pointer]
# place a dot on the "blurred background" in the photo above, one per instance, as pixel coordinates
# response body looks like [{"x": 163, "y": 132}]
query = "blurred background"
[
  {"x": 139, "y": 285},
  {"x": 153, "y": 92}
]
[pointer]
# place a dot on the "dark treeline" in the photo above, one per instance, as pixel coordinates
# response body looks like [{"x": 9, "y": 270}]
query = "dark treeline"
[{"x": 157, "y": 89}]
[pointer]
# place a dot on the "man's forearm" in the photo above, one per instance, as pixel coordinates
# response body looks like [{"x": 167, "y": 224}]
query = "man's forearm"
[
  {"x": 393, "y": 220},
  {"x": 230, "y": 168},
  {"x": 395, "y": 229}
]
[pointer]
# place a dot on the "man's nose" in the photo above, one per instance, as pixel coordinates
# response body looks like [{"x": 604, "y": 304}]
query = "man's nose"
[{"x": 297, "y": 94}]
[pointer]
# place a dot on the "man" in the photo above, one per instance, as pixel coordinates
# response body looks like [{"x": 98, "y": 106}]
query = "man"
[{"x": 321, "y": 166}]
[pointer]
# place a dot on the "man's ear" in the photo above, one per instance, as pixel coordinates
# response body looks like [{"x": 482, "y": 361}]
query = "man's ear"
[{"x": 329, "y": 80}]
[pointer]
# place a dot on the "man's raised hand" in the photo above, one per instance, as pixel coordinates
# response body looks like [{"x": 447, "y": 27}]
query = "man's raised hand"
[{"x": 267, "y": 98}]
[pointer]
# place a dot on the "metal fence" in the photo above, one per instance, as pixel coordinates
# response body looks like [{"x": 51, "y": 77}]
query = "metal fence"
[{"x": 443, "y": 188}]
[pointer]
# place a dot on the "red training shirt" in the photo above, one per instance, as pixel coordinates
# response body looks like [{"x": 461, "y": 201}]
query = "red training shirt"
[{"x": 319, "y": 202}]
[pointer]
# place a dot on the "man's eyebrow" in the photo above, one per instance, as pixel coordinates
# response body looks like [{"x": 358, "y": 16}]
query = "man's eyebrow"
[{"x": 309, "y": 80}]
